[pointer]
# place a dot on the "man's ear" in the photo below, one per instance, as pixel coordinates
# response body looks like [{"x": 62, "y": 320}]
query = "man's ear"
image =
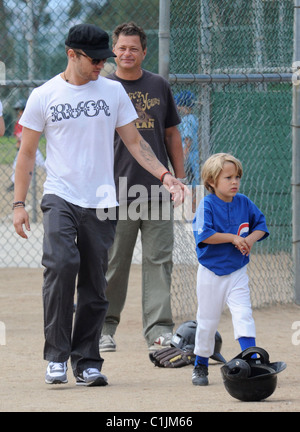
[
  {"x": 71, "y": 53},
  {"x": 145, "y": 52},
  {"x": 114, "y": 51}
]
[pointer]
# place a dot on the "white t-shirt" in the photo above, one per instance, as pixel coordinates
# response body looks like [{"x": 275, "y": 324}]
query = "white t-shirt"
[{"x": 79, "y": 125}]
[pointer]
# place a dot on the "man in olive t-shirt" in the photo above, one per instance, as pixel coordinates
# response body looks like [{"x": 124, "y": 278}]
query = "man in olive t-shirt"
[{"x": 144, "y": 205}]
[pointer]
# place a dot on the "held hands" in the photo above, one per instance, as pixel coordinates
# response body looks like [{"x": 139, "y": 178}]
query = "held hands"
[{"x": 177, "y": 189}]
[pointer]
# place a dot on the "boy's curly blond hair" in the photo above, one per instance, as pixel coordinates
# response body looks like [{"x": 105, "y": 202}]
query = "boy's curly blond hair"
[{"x": 214, "y": 165}]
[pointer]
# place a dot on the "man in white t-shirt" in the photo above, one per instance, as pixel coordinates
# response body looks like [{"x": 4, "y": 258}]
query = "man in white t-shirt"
[{"x": 78, "y": 111}]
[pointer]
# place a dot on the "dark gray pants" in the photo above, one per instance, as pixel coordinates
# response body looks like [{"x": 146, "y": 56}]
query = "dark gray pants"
[
  {"x": 74, "y": 250},
  {"x": 157, "y": 247}
]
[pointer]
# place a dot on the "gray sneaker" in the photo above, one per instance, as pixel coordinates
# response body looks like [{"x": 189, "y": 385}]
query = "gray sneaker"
[
  {"x": 199, "y": 376},
  {"x": 91, "y": 377},
  {"x": 56, "y": 373},
  {"x": 107, "y": 343},
  {"x": 162, "y": 341}
]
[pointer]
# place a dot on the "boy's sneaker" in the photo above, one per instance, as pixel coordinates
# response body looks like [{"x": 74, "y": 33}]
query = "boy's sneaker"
[
  {"x": 91, "y": 377},
  {"x": 56, "y": 373},
  {"x": 107, "y": 343},
  {"x": 162, "y": 341},
  {"x": 199, "y": 376}
]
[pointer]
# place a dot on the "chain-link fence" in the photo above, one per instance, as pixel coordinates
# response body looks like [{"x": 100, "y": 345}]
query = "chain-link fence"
[
  {"x": 232, "y": 57},
  {"x": 245, "y": 120}
]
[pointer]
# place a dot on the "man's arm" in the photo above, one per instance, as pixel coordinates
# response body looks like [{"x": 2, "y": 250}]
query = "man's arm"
[
  {"x": 2, "y": 123},
  {"x": 145, "y": 156},
  {"x": 2, "y": 126},
  {"x": 23, "y": 176},
  {"x": 174, "y": 150}
]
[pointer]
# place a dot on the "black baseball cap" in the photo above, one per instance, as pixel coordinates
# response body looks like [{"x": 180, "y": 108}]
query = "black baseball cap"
[{"x": 92, "y": 40}]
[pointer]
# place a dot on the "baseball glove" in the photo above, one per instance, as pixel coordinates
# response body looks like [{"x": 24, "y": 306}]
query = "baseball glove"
[{"x": 172, "y": 357}]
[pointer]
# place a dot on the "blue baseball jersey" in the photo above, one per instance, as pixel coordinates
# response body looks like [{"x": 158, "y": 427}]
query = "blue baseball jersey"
[{"x": 240, "y": 216}]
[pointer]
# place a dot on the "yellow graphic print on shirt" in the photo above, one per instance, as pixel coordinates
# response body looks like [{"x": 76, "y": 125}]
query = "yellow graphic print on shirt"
[{"x": 143, "y": 104}]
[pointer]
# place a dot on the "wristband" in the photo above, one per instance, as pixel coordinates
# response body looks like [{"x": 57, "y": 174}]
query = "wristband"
[
  {"x": 18, "y": 204},
  {"x": 163, "y": 175},
  {"x": 1, "y": 109},
  {"x": 184, "y": 180}
]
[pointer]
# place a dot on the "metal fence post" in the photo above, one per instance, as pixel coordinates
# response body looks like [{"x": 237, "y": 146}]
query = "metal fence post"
[
  {"x": 296, "y": 157},
  {"x": 205, "y": 91},
  {"x": 164, "y": 38}
]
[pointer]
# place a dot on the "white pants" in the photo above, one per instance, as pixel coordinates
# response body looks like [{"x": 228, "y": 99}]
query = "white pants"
[{"x": 213, "y": 293}]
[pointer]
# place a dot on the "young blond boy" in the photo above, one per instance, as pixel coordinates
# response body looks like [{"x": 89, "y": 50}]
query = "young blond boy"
[{"x": 226, "y": 226}]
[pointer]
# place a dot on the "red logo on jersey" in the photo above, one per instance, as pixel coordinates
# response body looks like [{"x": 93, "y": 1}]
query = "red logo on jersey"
[{"x": 243, "y": 229}]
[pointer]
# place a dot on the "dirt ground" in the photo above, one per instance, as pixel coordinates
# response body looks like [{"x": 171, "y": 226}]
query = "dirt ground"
[{"x": 135, "y": 385}]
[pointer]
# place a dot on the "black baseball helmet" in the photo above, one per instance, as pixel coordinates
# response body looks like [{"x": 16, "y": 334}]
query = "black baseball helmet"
[
  {"x": 184, "y": 338},
  {"x": 217, "y": 356},
  {"x": 251, "y": 379}
]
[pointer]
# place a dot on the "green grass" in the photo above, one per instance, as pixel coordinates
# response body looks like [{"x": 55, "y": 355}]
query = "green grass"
[{"x": 8, "y": 149}]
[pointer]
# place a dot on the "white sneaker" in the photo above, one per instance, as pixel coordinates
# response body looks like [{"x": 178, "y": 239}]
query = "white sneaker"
[
  {"x": 56, "y": 373},
  {"x": 107, "y": 343},
  {"x": 91, "y": 377},
  {"x": 162, "y": 341}
]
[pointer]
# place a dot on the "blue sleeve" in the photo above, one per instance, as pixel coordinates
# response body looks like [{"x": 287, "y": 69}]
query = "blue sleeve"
[
  {"x": 203, "y": 223},
  {"x": 257, "y": 220},
  {"x": 189, "y": 128}
]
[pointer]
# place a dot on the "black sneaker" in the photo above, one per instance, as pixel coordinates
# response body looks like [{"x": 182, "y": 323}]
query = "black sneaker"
[
  {"x": 91, "y": 377},
  {"x": 199, "y": 376}
]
